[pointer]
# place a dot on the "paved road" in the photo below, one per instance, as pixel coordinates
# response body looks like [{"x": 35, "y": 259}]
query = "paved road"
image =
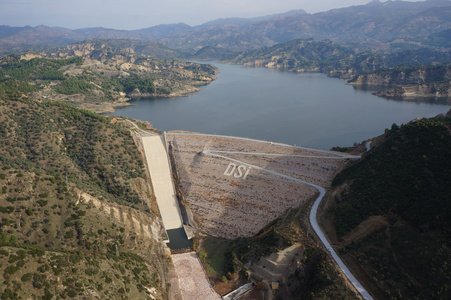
[
  {"x": 160, "y": 172},
  {"x": 319, "y": 232},
  {"x": 266, "y": 142},
  {"x": 313, "y": 212}
]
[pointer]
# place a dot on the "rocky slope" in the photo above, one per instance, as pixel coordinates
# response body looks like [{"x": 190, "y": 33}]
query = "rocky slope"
[
  {"x": 433, "y": 90},
  {"x": 424, "y": 81},
  {"x": 410, "y": 73},
  {"x": 303, "y": 55},
  {"x": 334, "y": 59},
  {"x": 101, "y": 75}
]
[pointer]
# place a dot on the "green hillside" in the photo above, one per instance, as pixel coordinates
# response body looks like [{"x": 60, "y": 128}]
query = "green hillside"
[
  {"x": 73, "y": 189},
  {"x": 101, "y": 75},
  {"x": 405, "y": 183},
  {"x": 335, "y": 59}
]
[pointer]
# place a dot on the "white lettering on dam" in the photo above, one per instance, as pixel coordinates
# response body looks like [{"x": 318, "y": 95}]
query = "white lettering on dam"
[{"x": 240, "y": 171}]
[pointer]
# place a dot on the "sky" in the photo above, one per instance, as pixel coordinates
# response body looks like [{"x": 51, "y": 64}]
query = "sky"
[{"x": 137, "y": 14}]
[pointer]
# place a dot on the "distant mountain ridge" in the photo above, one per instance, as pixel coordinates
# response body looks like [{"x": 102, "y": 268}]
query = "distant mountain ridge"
[
  {"x": 245, "y": 21},
  {"x": 376, "y": 23}
]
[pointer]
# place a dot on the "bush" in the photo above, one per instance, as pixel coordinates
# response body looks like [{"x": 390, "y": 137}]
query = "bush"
[
  {"x": 91, "y": 271},
  {"x": 26, "y": 277},
  {"x": 42, "y": 203},
  {"x": 9, "y": 294},
  {"x": 71, "y": 293}
]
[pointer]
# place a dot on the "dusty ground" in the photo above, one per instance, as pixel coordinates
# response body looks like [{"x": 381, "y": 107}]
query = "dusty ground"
[
  {"x": 192, "y": 279},
  {"x": 232, "y": 205}
]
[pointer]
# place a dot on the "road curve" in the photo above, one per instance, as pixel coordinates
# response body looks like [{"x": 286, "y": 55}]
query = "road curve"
[
  {"x": 322, "y": 237},
  {"x": 313, "y": 213}
]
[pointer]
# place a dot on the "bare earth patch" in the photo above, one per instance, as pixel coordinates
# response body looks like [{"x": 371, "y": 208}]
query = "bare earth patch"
[
  {"x": 192, "y": 278},
  {"x": 364, "y": 229}
]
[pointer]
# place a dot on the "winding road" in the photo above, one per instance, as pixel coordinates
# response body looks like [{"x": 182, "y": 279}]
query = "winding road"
[{"x": 313, "y": 213}]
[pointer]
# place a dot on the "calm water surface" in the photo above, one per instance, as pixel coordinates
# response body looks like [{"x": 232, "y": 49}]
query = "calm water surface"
[{"x": 303, "y": 109}]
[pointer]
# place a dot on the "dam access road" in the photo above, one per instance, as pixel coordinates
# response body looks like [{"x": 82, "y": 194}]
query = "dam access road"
[{"x": 236, "y": 185}]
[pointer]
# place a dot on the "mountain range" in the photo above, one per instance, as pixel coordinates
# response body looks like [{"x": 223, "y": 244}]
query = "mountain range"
[
  {"x": 78, "y": 217},
  {"x": 376, "y": 24}
]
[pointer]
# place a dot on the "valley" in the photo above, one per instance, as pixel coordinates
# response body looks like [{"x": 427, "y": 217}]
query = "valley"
[{"x": 190, "y": 162}]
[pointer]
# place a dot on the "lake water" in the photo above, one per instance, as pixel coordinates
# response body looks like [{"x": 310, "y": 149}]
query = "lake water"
[{"x": 308, "y": 109}]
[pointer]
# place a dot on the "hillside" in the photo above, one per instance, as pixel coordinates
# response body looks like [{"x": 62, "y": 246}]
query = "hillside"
[
  {"x": 99, "y": 75},
  {"x": 334, "y": 59},
  {"x": 391, "y": 212},
  {"x": 104, "y": 49},
  {"x": 408, "y": 73},
  {"x": 424, "y": 81},
  {"x": 377, "y": 25},
  {"x": 77, "y": 215},
  {"x": 304, "y": 55},
  {"x": 311, "y": 274}
]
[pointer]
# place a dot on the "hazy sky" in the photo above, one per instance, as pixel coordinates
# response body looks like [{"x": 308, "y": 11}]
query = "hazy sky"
[{"x": 136, "y": 14}]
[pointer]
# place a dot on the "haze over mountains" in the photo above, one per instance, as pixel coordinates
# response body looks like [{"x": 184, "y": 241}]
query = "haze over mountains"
[{"x": 376, "y": 24}]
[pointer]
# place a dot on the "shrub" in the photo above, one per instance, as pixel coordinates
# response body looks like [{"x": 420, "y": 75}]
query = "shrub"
[
  {"x": 91, "y": 271},
  {"x": 26, "y": 277},
  {"x": 71, "y": 293}
]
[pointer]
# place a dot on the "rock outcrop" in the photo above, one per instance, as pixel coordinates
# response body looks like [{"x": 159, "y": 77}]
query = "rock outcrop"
[{"x": 431, "y": 81}]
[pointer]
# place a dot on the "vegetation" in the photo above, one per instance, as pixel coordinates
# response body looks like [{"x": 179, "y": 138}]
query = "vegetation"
[
  {"x": 76, "y": 140},
  {"x": 413, "y": 75},
  {"x": 130, "y": 84},
  {"x": 52, "y": 242},
  {"x": 414, "y": 188},
  {"x": 406, "y": 182},
  {"x": 340, "y": 60},
  {"x": 74, "y": 85},
  {"x": 124, "y": 47},
  {"x": 212, "y": 255},
  {"x": 100, "y": 76},
  {"x": 315, "y": 278},
  {"x": 20, "y": 75}
]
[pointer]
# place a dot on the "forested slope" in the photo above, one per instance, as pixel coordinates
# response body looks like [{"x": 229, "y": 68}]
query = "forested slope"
[
  {"x": 77, "y": 217},
  {"x": 334, "y": 59},
  {"x": 392, "y": 211}
]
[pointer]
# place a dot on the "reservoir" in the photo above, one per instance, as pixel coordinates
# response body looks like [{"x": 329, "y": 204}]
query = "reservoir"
[{"x": 308, "y": 109}]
